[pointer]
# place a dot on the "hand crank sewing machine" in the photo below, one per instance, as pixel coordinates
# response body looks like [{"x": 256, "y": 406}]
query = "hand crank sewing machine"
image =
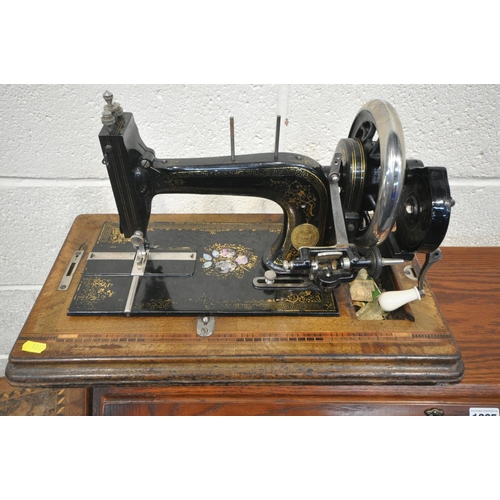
[
  {"x": 369, "y": 209},
  {"x": 328, "y": 292}
]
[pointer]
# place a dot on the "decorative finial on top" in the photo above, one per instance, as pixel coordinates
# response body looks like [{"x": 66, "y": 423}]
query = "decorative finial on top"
[
  {"x": 108, "y": 97},
  {"x": 111, "y": 111}
]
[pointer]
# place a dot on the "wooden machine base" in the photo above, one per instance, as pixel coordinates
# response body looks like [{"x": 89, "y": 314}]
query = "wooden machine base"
[{"x": 97, "y": 351}]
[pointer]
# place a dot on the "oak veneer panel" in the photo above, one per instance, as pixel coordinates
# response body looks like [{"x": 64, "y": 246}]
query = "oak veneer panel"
[
  {"x": 466, "y": 284},
  {"x": 94, "y": 351},
  {"x": 36, "y": 401}
]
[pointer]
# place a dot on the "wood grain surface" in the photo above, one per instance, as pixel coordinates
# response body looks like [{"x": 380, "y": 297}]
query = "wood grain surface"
[
  {"x": 465, "y": 283},
  {"x": 90, "y": 351},
  {"x": 40, "y": 402},
  {"x": 468, "y": 295}
]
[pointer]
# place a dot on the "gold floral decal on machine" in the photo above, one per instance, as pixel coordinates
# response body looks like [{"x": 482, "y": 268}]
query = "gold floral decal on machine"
[
  {"x": 94, "y": 289},
  {"x": 298, "y": 194},
  {"x": 110, "y": 233},
  {"x": 228, "y": 260}
]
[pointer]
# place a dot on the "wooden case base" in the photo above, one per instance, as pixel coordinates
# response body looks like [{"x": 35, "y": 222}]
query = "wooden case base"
[{"x": 93, "y": 351}]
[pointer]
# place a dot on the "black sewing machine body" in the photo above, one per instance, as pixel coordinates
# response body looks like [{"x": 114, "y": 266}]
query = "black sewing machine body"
[
  {"x": 370, "y": 209},
  {"x": 296, "y": 183}
]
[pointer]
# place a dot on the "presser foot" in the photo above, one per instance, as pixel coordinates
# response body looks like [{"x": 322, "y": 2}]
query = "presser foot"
[{"x": 140, "y": 246}]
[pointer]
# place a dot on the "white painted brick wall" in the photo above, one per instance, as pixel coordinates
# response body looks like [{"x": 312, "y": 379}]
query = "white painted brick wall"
[{"x": 51, "y": 170}]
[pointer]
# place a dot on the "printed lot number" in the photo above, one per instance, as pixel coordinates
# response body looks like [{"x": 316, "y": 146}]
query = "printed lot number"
[{"x": 483, "y": 412}]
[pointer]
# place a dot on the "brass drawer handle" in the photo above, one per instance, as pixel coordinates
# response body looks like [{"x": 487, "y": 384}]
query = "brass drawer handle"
[{"x": 434, "y": 412}]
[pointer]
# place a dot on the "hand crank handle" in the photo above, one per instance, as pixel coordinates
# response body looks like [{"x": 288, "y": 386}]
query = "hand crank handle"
[{"x": 389, "y": 301}]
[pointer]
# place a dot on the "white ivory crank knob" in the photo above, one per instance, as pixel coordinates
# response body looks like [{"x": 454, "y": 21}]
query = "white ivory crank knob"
[{"x": 389, "y": 301}]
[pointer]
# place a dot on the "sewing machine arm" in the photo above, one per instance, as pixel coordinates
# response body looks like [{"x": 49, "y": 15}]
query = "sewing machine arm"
[{"x": 370, "y": 208}]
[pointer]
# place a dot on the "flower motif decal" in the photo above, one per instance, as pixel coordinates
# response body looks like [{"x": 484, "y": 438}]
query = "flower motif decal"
[{"x": 223, "y": 260}]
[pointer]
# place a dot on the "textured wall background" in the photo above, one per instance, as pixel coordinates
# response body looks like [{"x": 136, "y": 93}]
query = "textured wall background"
[{"x": 51, "y": 170}]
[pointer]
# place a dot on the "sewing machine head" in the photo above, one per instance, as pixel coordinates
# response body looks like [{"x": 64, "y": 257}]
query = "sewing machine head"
[{"x": 369, "y": 209}]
